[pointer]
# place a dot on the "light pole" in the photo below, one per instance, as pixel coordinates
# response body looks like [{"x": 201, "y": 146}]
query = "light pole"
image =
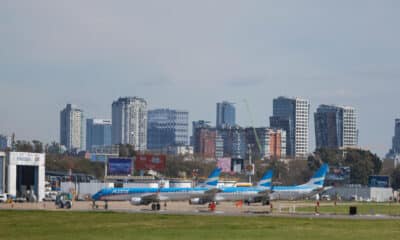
[{"x": 250, "y": 168}]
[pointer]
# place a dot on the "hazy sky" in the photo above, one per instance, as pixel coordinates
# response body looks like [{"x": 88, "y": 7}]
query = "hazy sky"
[{"x": 191, "y": 54}]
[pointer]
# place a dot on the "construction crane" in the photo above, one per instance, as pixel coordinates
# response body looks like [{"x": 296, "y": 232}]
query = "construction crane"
[
  {"x": 255, "y": 136},
  {"x": 252, "y": 124}
]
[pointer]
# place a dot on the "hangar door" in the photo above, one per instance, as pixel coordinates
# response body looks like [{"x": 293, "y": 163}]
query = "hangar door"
[{"x": 27, "y": 181}]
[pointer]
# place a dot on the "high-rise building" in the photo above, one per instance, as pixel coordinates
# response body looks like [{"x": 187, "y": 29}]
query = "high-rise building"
[
  {"x": 292, "y": 115},
  {"x": 226, "y": 114},
  {"x": 350, "y": 131},
  {"x": 167, "y": 127},
  {"x": 395, "y": 140},
  {"x": 71, "y": 128},
  {"x": 205, "y": 142},
  {"x": 5, "y": 143},
  {"x": 335, "y": 127},
  {"x": 98, "y": 133},
  {"x": 129, "y": 122},
  {"x": 196, "y": 125},
  {"x": 266, "y": 142},
  {"x": 234, "y": 141}
]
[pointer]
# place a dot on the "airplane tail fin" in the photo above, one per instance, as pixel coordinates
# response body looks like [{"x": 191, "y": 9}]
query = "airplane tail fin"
[
  {"x": 213, "y": 178},
  {"x": 319, "y": 177},
  {"x": 266, "y": 180}
]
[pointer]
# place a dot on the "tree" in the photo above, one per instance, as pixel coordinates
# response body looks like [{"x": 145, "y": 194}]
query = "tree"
[
  {"x": 360, "y": 170},
  {"x": 314, "y": 162},
  {"x": 126, "y": 150},
  {"x": 377, "y": 163},
  {"x": 280, "y": 171},
  {"x": 396, "y": 178},
  {"x": 299, "y": 172},
  {"x": 362, "y": 163},
  {"x": 23, "y": 146},
  {"x": 333, "y": 157},
  {"x": 54, "y": 148},
  {"x": 62, "y": 163},
  {"x": 37, "y": 146}
]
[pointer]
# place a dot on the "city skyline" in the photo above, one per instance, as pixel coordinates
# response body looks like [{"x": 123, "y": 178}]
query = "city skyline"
[{"x": 174, "y": 57}]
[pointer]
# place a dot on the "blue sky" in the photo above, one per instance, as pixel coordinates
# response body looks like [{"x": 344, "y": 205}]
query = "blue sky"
[{"x": 191, "y": 54}]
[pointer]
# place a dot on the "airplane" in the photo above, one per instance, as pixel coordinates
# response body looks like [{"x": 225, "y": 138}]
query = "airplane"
[
  {"x": 153, "y": 196},
  {"x": 254, "y": 194},
  {"x": 309, "y": 189}
]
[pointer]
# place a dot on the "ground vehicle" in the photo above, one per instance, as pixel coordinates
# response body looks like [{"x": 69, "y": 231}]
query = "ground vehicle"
[
  {"x": 3, "y": 198},
  {"x": 64, "y": 200},
  {"x": 326, "y": 197},
  {"x": 50, "y": 196}
]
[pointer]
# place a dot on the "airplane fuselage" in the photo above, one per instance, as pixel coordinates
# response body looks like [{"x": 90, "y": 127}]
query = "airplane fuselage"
[
  {"x": 250, "y": 194},
  {"x": 163, "y": 194},
  {"x": 292, "y": 192}
]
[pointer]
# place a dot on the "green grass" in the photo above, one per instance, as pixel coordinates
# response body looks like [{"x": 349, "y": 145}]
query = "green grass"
[
  {"x": 362, "y": 208},
  {"x": 106, "y": 225}
]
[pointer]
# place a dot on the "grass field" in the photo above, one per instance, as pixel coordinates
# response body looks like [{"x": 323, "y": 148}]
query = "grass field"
[
  {"x": 106, "y": 225},
  {"x": 362, "y": 208}
]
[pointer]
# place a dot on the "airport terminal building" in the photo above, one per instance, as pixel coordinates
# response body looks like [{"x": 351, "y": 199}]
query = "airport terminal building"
[{"x": 22, "y": 174}]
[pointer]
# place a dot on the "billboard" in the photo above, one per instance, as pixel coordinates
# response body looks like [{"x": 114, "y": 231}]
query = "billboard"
[
  {"x": 27, "y": 159},
  {"x": 119, "y": 166},
  {"x": 338, "y": 174},
  {"x": 237, "y": 165},
  {"x": 378, "y": 181},
  {"x": 224, "y": 164},
  {"x": 150, "y": 162}
]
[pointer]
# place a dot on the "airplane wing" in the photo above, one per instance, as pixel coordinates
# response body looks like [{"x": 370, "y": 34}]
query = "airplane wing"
[
  {"x": 265, "y": 192},
  {"x": 150, "y": 197},
  {"x": 208, "y": 194},
  {"x": 317, "y": 191},
  {"x": 212, "y": 191}
]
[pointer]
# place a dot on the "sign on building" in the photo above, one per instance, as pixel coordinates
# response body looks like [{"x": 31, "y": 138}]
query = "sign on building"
[
  {"x": 150, "y": 162},
  {"x": 224, "y": 164},
  {"x": 378, "y": 181},
  {"x": 120, "y": 167},
  {"x": 338, "y": 176}
]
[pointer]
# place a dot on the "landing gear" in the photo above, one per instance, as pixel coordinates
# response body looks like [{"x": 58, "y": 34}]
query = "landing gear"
[
  {"x": 265, "y": 202},
  {"x": 155, "y": 206}
]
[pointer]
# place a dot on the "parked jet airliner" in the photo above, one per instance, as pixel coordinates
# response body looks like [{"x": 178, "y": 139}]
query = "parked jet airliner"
[
  {"x": 153, "y": 196},
  {"x": 254, "y": 194},
  {"x": 309, "y": 189}
]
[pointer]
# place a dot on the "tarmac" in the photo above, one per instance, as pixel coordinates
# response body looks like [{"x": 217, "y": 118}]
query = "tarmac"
[{"x": 280, "y": 209}]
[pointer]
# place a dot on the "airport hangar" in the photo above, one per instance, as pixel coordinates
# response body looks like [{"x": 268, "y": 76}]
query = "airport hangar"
[{"x": 23, "y": 172}]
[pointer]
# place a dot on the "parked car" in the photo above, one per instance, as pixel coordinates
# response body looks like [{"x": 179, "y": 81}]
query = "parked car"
[
  {"x": 20, "y": 200},
  {"x": 3, "y": 198},
  {"x": 50, "y": 196},
  {"x": 326, "y": 197}
]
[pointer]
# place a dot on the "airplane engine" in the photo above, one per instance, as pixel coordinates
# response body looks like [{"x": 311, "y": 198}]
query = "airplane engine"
[
  {"x": 197, "y": 201},
  {"x": 137, "y": 201}
]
